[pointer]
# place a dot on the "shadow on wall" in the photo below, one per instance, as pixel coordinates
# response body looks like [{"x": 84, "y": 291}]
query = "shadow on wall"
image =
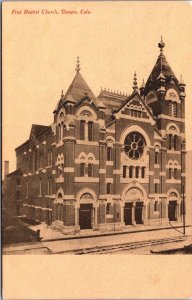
[{"x": 15, "y": 231}]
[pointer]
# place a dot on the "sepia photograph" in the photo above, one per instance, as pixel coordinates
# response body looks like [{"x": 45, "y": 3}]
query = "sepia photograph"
[{"x": 97, "y": 147}]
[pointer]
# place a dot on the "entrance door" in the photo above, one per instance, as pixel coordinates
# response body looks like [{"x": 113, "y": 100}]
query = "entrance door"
[
  {"x": 172, "y": 210},
  {"x": 138, "y": 212},
  {"x": 85, "y": 214},
  {"x": 128, "y": 213}
]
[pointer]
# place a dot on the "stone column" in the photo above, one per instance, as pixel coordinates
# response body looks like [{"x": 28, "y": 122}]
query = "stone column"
[
  {"x": 116, "y": 172},
  {"x": 102, "y": 169},
  {"x": 144, "y": 213}
]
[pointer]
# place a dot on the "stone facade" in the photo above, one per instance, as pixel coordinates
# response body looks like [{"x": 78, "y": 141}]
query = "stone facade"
[{"x": 110, "y": 161}]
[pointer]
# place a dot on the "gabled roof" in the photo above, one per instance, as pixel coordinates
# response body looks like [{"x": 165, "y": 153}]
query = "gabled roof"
[
  {"x": 135, "y": 94},
  {"x": 36, "y": 130},
  {"x": 17, "y": 172}
]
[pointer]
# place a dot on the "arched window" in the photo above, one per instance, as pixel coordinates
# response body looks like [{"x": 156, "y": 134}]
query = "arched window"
[
  {"x": 82, "y": 129},
  {"x": 109, "y": 188},
  {"x": 87, "y": 117},
  {"x": 109, "y": 154},
  {"x": 90, "y": 170},
  {"x": 90, "y": 131},
  {"x": 143, "y": 172},
  {"x": 137, "y": 172},
  {"x": 124, "y": 171},
  {"x": 82, "y": 169},
  {"x": 156, "y": 206},
  {"x": 130, "y": 172}
]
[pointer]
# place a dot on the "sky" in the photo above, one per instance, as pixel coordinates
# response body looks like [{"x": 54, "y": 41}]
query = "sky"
[{"x": 113, "y": 41}]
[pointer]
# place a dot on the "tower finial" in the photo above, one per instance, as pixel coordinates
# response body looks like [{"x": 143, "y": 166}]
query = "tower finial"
[
  {"x": 135, "y": 87},
  {"x": 161, "y": 45},
  {"x": 62, "y": 93},
  {"x": 78, "y": 65}
]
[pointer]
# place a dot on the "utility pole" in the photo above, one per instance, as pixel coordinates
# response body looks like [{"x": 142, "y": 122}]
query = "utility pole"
[{"x": 183, "y": 192}]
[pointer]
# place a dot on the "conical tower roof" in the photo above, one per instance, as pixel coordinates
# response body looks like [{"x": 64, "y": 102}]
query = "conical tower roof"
[
  {"x": 161, "y": 67},
  {"x": 78, "y": 89}
]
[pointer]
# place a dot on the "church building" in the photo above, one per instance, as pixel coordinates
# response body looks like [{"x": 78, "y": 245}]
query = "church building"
[{"x": 109, "y": 162}]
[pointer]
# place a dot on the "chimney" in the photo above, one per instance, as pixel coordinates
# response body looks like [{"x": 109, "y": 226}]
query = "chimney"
[{"x": 6, "y": 168}]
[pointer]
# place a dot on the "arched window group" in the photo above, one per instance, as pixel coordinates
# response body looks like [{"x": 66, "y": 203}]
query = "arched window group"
[
  {"x": 86, "y": 130},
  {"x": 134, "y": 171},
  {"x": 86, "y": 117},
  {"x": 173, "y": 137},
  {"x": 173, "y": 170},
  {"x": 86, "y": 165}
]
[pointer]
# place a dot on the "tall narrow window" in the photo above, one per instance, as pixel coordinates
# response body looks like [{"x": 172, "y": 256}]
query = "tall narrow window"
[
  {"x": 90, "y": 170},
  {"x": 27, "y": 188},
  {"x": 48, "y": 187},
  {"x": 156, "y": 206},
  {"x": 170, "y": 173},
  {"x": 82, "y": 130},
  {"x": 109, "y": 188},
  {"x": 156, "y": 157},
  {"x": 170, "y": 141},
  {"x": 175, "y": 173},
  {"x": 137, "y": 172},
  {"x": 82, "y": 169},
  {"x": 175, "y": 142},
  {"x": 109, "y": 153},
  {"x": 156, "y": 188},
  {"x": 59, "y": 131},
  {"x": 90, "y": 131},
  {"x": 124, "y": 171},
  {"x": 40, "y": 187},
  {"x": 143, "y": 172},
  {"x": 130, "y": 172},
  {"x": 108, "y": 209}
]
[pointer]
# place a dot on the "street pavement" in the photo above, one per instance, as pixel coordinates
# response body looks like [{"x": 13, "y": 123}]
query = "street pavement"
[{"x": 67, "y": 245}]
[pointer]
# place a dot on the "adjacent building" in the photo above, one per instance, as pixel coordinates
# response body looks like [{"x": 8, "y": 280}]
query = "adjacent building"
[{"x": 110, "y": 161}]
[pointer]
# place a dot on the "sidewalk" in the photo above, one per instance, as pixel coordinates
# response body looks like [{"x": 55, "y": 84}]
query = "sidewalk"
[{"x": 48, "y": 234}]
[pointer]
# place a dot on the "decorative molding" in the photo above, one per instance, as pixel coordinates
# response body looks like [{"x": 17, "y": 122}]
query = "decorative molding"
[
  {"x": 69, "y": 170},
  {"x": 87, "y": 143},
  {"x": 102, "y": 171},
  {"x": 162, "y": 116},
  {"x": 117, "y": 172},
  {"x": 87, "y": 179}
]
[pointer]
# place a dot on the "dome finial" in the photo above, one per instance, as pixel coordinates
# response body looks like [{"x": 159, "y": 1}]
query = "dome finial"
[
  {"x": 62, "y": 93},
  {"x": 78, "y": 65},
  {"x": 161, "y": 45},
  {"x": 135, "y": 87}
]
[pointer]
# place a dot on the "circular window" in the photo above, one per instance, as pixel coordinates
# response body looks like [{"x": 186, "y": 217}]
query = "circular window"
[{"x": 134, "y": 145}]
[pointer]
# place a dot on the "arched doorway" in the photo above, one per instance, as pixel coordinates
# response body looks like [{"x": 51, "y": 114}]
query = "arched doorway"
[
  {"x": 86, "y": 211},
  {"x": 172, "y": 207},
  {"x": 133, "y": 209}
]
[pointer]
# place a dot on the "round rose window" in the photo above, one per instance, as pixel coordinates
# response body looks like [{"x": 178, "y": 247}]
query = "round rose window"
[{"x": 134, "y": 145}]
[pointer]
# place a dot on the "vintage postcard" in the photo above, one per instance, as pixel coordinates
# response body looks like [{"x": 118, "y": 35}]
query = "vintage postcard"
[{"x": 97, "y": 150}]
